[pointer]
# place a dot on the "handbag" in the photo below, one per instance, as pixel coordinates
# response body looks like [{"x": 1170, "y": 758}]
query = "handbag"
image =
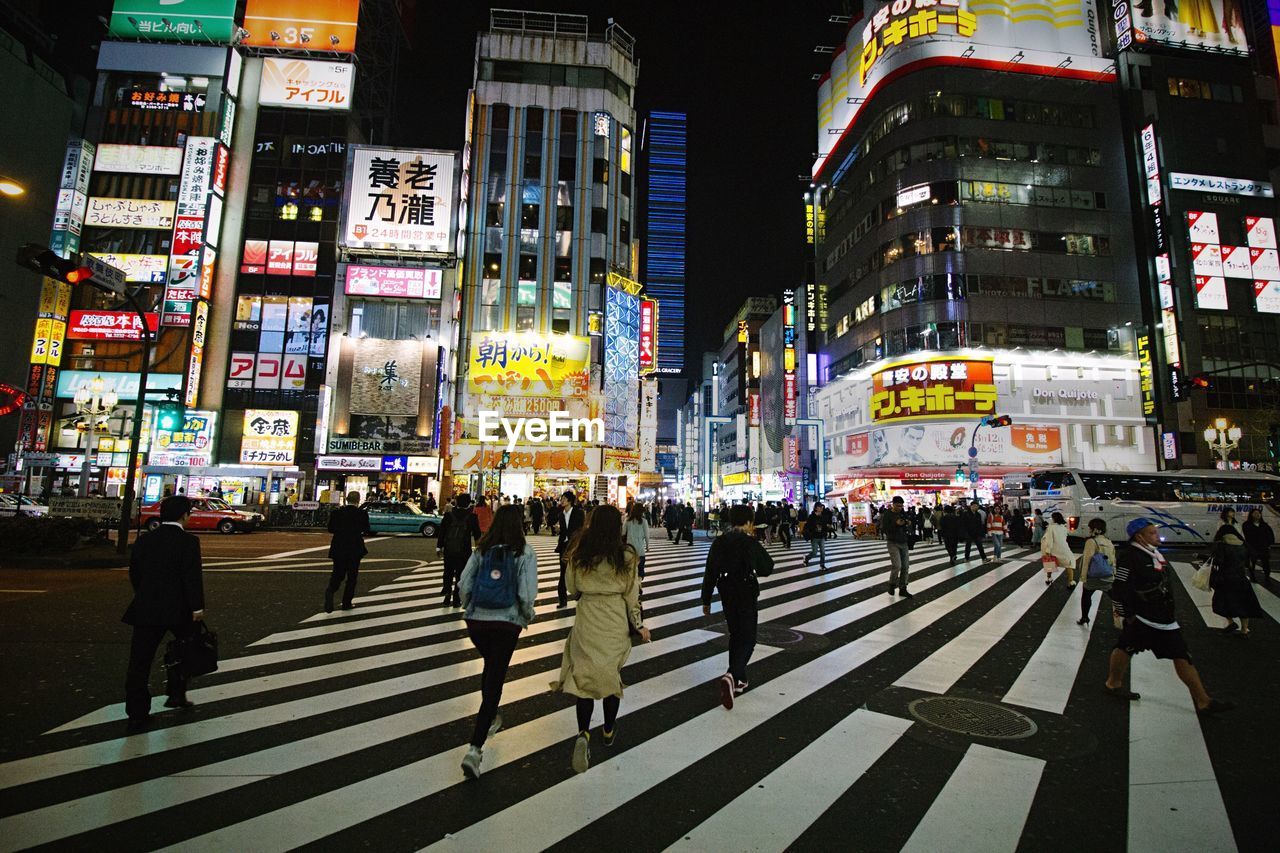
[
  {"x": 194, "y": 655},
  {"x": 1200, "y": 580}
]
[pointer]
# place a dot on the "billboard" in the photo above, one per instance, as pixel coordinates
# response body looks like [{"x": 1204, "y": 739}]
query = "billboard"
[
  {"x": 109, "y": 325},
  {"x": 138, "y": 159},
  {"x": 1216, "y": 25},
  {"x": 270, "y": 437},
  {"x": 948, "y": 445},
  {"x": 306, "y": 84},
  {"x": 144, "y": 268},
  {"x": 400, "y": 199},
  {"x": 387, "y": 378},
  {"x": 128, "y": 213},
  {"x": 202, "y": 21},
  {"x": 1057, "y": 39},
  {"x": 394, "y": 282},
  {"x": 307, "y": 24},
  {"x": 621, "y": 367},
  {"x": 529, "y": 364},
  {"x": 933, "y": 387}
]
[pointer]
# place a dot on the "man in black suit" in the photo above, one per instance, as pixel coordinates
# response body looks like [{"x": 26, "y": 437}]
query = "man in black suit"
[
  {"x": 349, "y": 525},
  {"x": 168, "y": 598},
  {"x": 573, "y": 521},
  {"x": 459, "y": 532}
]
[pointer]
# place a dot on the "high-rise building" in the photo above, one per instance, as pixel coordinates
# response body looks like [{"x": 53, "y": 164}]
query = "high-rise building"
[
  {"x": 551, "y": 305},
  {"x": 665, "y": 237}
]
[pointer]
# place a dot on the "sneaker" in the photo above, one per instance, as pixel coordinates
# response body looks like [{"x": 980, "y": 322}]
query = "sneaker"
[
  {"x": 581, "y": 753},
  {"x": 726, "y": 691},
  {"x": 496, "y": 725},
  {"x": 471, "y": 762},
  {"x": 740, "y": 688},
  {"x": 608, "y": 736}
]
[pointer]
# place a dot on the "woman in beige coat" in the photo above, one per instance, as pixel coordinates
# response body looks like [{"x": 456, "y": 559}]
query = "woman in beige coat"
[
  {"x": 601, "y": 574},
  {"x": 1054, "y": 551}
]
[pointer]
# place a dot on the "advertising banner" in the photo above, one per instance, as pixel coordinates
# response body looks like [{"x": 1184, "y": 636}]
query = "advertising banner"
[
  {"x": 1266, "y": 297},
  {"x": 545, "y": 460},
  {"x": 1058, "y": 39},
  {"x": 349, "y": 463},
  {"x": 387, "y": 378},
  {"x": 1260, "y": 232},
  {"x": 935, "y": 387},
  {"x": 148, "y": 269},
  {"x": 109, "y": 325},
  {"x": 190, "y": 445},
  {"x": 394, "y": 282},
  {"x": 307, "y": 24},
  {"x": 200, "y": 21},
  {"x": 270, "y": 437},
  {"x": 128, "y": 213},
  {"x": 529, "y": 364},
  {"x": 1216, "y": 25},
  {"x": 948, "y": 445},
  {"x": 399, "y": 199},
  {"x": 123, "y": 385},
  {"x": 649, "y": 425},
  {"x": 195, "y": 359},
  {"x": 306, "y": 84},
  {"x": 621, "y": 367},
  {"x": 648, "y": 335},
  {"x": 138, "y": 159}
]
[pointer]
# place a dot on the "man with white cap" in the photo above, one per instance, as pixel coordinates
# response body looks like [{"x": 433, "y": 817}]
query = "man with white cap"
[{"x": 1143, "y": 597}]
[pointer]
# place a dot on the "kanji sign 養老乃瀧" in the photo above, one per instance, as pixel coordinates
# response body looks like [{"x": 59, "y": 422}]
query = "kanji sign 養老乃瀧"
[
  {"x": 525, "y": 363},
  {"x": 933, "y": 388}
]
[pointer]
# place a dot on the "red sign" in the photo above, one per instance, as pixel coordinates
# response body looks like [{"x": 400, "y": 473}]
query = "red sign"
[
  {"x": 108, "y": 325},
  {"x": 648, "y": 331},
  {"x": 305, "y": 256},
  {"x": 937, "y": 387},
  {"x": 790, "y": 388},
  {"x": 755, "y": 410},
  {"x": 220, "y": 162},
  {"x": 206, "y": 272},
  {"x": 188, "y": 235},
  {"x": 394, "y": 282},
  {"x": 792, "y": 453},
  {"x": 280, "y": 257},
  {"x": 254, "y": 260}
]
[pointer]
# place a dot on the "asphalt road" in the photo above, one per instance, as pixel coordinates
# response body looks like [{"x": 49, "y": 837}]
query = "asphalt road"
[{"x": 62, "y": 641}]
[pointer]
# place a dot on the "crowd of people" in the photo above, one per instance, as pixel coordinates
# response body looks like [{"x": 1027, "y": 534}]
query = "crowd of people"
[{"x": 491, "y": 573}]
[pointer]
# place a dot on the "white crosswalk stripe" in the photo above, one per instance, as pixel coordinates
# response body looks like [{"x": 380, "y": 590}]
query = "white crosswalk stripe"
[{"x": 351, "y": 722}]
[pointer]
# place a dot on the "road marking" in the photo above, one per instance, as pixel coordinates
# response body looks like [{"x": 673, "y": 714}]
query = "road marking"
[
  {"x": 24, "y": 590},
  {"x": 1046, "y": 681}
]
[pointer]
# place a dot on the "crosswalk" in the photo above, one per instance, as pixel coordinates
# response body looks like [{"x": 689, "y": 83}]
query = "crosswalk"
[{"x": 347, "y": 729}]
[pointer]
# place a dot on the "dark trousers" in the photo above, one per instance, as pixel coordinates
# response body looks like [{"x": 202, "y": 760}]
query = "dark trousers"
[
  {"x": 348, "y": 568},
  {"x": 142, "y": 653},
  {"x": 496, "y": 642},
  {"x": 453, "y": 566},
  {"x": 671, "y": 535},
  {"x": 537, "y": 525},
  {"x": 1086, "y": 598},
  {"x": 1260, "y": 558},
  {"x": 740, "y": 615},
  {"x": 784, "y": 533},
  {"x": 586, "y": 706},
  {"x": 685, "y": 532},
  {"x": 968, "y": 545},
  {"x": 562, "y": 591},
  {"x": 952, "y": 545}
]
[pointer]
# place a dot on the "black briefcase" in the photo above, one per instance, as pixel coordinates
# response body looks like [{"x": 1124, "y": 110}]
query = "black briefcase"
[{"x": 193, "y": 655}]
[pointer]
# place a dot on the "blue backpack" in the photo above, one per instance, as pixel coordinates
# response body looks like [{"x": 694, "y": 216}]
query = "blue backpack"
[
  {"x": 494, "y": 586},
  {"x": 1100, "y": 566}
]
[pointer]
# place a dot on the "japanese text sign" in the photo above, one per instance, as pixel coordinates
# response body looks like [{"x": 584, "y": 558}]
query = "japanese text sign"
[
  {"x": 933, "y": 388},
  {"x": 306, "y": 84},
  {"x": 529, "y": 364},
  {"x": 270, "y": 437},
  {"x": 400, "y": 199}
]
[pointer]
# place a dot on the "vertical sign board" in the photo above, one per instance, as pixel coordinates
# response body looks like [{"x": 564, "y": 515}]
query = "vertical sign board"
[
  {"x": 183, "y": 284},
  {"x": 648, "y": 336},
  {"x": 1171, "y": 347},
  {"x": 790, "y": 383}
]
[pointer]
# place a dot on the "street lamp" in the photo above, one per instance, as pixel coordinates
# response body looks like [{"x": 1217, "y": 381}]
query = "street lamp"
[
  {"x": 11, "y": 188},
  {"x": 93, "y": 401},
  {"x": 1222, "y": 438}
]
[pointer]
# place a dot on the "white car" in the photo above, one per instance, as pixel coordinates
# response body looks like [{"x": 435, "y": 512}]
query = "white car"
[{"x": 12, "y": 505}]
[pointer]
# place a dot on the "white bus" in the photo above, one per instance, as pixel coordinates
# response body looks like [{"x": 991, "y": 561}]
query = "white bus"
[{"x": 1185, "y": 505}]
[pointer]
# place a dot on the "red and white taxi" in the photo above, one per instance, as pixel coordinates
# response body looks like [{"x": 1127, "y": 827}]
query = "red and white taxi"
[{"x": 208, "y": 514}]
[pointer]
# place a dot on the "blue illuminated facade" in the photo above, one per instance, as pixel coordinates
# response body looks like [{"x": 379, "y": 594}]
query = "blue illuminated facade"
[{"x": 665, "y": 239}]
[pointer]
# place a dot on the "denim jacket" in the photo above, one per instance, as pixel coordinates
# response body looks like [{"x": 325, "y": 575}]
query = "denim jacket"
[{"x": 520, "y": 613}]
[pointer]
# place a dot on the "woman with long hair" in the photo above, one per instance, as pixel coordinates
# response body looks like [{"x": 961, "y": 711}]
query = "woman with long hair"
[
  {"x": 1055, "y": 553},
  {"x": 1233, "y": 595},
  {"x": 636, "y": 534},
  {"x": 499, "y": 605},
  {"x": 601, "y": 573}
]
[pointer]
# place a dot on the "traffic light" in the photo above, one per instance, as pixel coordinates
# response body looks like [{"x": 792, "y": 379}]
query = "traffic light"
[
  {"x": 998, "y": 420},
  {"x": 1196, "y": 382},
  {"x": 48, "y": 263},
  {"x": 169, "y": 415},
  {"x": 506, "y": 460},
  {"x": 1273, "y": 441}
]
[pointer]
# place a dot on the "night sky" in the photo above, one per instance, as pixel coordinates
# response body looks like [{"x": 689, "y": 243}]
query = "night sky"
[{"x": 743, "y": 73}]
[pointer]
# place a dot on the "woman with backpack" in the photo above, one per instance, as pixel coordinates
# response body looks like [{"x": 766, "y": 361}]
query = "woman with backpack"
[
  {"x": 1098, "y": 565},
  {"x": 498, "y": 588},
  {"x": 601, "y": 572}
]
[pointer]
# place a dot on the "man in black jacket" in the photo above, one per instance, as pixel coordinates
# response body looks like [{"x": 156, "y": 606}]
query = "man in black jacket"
[
  {"x": 168, "y": 598},
  {"x": 573, "y": 521},
  {"x": 671, "y": 520},
  {"x": 349, "y": 525},
  {"x": 686, "y": 517},
  {"x": 734, "y": 562},
  {"x": 1142, "y": 595},
  {"x": 459, "y": 531},
  {"x": 950, "y": 529},
  {"x": 974, "y": 527},
  {"x": 897, "y": 527}
]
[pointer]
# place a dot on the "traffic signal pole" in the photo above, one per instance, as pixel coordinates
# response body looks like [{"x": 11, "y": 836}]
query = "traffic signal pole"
[{"x": 139, "y": 412}]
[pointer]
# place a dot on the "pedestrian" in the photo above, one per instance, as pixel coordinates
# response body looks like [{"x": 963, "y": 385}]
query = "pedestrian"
[
  {"x": 637, "y": 535},
  {"x": 1233, "y": 595},
  {"x": 1038, "y": 526},
  {"x": 974, "y": 530},
  {"x": 602, "y": 574},
  {"x": 734, "y": 563},
  {"x": 1056, "y": 553},
  {"x": 926, "y": 524},
  {"x": 950, "y": 529},
  {"x": 1228, "y": 517},
  {"x": 536, "y": 510},
  {"x": 995, "y": 529},
  {"x": 761, "y": 522},
  {"x": 786, "y": 518},
  {"x": 815, "y": 530},
  {"x": 1258, "y": 539},
  {"x": 671, "y": 520},
  {"x": 687, "y": 516},
  {"x": 168, "y": 598},
  {"x": 1143, "y": 598},
  {"x": 898, "y": 531},
  {"x": 349, "y": 525},
  {"x": 1017, "y": 528},
  {"x": 497, "y": 588},
  {"x": 429, "y": 506},
  {"x": 572, "y": 519},
  {"x": 459, "y": 531},
  {"x": 483, "y": 514},
  {"x": 1097, "y": 565}
]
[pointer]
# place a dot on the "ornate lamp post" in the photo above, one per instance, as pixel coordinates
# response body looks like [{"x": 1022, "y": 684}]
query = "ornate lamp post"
[
  {"x": 94, "y": 402},
  {"x": 1222, "y": 438}
]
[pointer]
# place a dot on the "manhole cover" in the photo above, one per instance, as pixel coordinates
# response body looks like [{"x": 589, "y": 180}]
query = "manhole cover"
[
  {"x": 972, "y": 717},
  {"x": 773, "y": 635}
]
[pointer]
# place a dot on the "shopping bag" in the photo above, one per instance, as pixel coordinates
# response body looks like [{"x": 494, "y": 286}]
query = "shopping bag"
[{"x": 1200, "y": 580}]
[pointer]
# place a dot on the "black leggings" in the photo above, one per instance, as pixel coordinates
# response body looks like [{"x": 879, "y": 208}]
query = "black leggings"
[
  {"x": 1086, "y": 598},
  {"x": 496, "y": 642},
  {"x": 586, "y": 706}
]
